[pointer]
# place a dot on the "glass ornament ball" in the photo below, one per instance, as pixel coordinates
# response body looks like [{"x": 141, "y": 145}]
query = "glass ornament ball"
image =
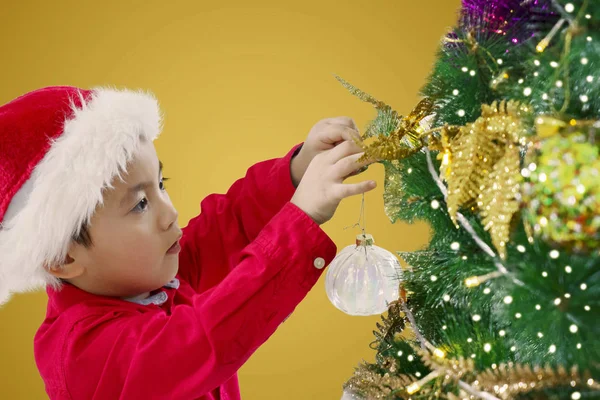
[{"x": 363, "y": 279}]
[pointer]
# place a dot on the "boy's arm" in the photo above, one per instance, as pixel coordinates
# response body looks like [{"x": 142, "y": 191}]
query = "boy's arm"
[
  {"x": 229, "y": 222},
  {"x": 202, "y": 344}
]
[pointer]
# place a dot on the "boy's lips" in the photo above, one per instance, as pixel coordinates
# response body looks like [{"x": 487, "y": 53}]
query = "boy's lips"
[{"x": 175, "y": 248}]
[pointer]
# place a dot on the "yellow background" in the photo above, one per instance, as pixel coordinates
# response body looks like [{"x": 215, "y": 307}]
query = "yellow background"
[{"x": 239, "y": 82}]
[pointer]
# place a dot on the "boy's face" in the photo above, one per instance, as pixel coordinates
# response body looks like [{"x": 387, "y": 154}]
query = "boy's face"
[{"x": 131, "y": 233}]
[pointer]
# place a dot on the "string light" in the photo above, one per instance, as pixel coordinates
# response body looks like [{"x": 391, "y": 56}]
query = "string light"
[
  {"x": 476, "y": 317},
  {"x": 416, "y": 386},
  {"x": 487, "y": 347},
  {"x": 413, "y": 388},
  {"x": 546, "y": 40},
  {"x": 557, "y": 301},
  {"x": 552, "y": 349},
  {"x": 474, "y": 281},
  {"x": 573, "y": 328}
]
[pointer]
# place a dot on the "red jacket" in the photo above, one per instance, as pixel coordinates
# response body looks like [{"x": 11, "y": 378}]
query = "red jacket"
[{"x": 246, "y": 262}]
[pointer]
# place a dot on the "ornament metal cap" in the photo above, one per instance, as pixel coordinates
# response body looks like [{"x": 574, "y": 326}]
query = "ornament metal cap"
[{"x": 364, "y": 239}]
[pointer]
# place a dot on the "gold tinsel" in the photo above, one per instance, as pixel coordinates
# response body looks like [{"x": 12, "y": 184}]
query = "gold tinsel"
[
  {"x": 407, "y": 135},
  {"x": 405, "y": 141},
  {"x": 372, "y": 385},
  {"x": 455, "y": 368},
  {"x": 508, "y": 381},
  {"x": 481, "y": 162}
]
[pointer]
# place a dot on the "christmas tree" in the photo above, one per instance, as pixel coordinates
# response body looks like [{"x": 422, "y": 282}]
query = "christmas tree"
[{"x": 501, "y": 159}]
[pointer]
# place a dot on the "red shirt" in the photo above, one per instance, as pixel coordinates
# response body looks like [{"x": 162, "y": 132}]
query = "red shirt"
[{"x": 246, "y": 262}]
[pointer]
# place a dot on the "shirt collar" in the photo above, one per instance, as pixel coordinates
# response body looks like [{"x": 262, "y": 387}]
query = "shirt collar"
[{"x": 157, "y": 298}]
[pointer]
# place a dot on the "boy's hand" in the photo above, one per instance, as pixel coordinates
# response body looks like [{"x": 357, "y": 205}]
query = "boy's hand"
[
  {"x": 324, "y": 135},
  {"x": 322, "y": 188}
]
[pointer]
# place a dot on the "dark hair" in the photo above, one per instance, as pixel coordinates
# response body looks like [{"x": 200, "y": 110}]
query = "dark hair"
[{"x": 84, "y": 237}]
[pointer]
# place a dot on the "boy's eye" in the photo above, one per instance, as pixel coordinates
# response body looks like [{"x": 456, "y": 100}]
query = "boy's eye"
[
  {"x": 161, "y": 184},
  {"x": 143, "y": 204}
]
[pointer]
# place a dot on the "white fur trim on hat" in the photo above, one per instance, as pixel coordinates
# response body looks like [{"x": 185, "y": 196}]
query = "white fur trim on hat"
[{"x": 66, "y": 186}]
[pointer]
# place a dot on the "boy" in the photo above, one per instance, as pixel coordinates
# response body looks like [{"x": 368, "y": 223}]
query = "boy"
[{"x": 138, "y": 308}]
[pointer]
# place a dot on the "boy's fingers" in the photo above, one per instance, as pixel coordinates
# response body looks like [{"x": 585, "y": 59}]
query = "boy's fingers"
[
  {"x": 344, "y": 121},
  {"x": 337, "y": 134}
]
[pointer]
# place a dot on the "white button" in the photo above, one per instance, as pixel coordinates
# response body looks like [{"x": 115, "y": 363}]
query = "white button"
[{"x": 319, "y": 263}]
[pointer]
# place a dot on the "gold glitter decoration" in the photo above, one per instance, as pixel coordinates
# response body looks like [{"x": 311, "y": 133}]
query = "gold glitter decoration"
[
  {"x": 406, "y": 134},
  {"x": 372, "y": 385},
  {"x": 404, "y": 141},
  {"x": 390, "y": 326},
  {"x": 508, "y": 381},
  {"x": 499, "y": 202},
  {"x": 469, "y": 167},
  {"x": 455, "y": 368}
]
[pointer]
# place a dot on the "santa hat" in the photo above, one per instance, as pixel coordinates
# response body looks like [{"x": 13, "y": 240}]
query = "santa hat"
[{"x": 60, "y": 147}]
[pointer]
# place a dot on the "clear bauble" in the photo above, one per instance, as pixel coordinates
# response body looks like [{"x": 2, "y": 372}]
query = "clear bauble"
[{"x": 363, "y": 279}]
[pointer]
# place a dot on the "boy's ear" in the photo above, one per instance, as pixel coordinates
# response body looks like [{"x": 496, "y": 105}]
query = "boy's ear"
[{"x": 68, "y": 270}]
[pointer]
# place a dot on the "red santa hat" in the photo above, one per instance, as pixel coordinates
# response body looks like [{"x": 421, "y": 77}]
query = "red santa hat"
[{"x": 60, "y": 147}]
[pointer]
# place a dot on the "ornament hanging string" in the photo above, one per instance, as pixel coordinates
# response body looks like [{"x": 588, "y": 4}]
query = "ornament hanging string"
[{"x": 363, "y": 227}]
